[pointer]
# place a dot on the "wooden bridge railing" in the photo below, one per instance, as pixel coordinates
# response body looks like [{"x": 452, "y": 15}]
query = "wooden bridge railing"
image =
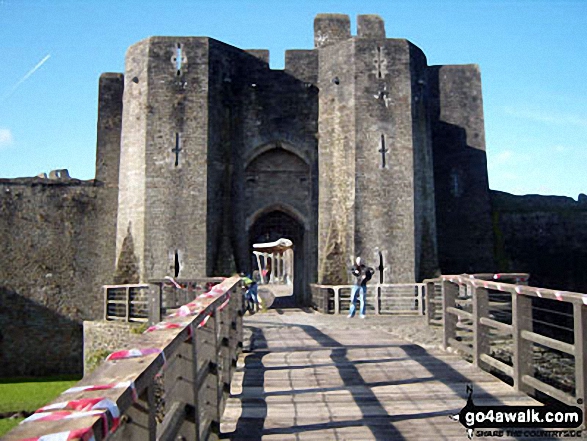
[
  {"x": 535, "y": 336},
  {"x": 172, "y": 383},
  {"x": 149, "y": 302},
  {"x": 388, "y": 298}
]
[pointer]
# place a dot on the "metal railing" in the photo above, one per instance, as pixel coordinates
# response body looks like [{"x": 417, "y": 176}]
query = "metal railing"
[
  {"x": 388, "y": 298},
  {"x": 534, "y": 337},
  {"x": 172, "y": 382},
  {"x": 149, "y": 302},
  {"x": 129, "y": 303}
]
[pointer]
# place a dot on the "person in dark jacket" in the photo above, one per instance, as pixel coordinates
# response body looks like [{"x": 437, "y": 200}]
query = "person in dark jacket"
[{"x": 363, "y": 274}]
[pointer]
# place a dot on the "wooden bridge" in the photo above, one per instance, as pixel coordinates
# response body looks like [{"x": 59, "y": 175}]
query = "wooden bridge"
[
  {"x": 309, "y": 376},
  {"x": 205, "y": 373}
]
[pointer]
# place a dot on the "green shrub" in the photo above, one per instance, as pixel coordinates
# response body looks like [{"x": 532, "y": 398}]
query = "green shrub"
[
  {"x": 95, "y": 358},
  {"x": 139, "y": 328}
]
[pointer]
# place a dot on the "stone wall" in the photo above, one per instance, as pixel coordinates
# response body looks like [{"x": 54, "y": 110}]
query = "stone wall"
[
  {"x": 545, "y": 236},
  {"x": 56, "y": 250},
  {"x": 35, "y": 340},
  {"x": 425, "y": 231},
  {"x": 130, "y": 231},
  {"x": 102, "y": 336}
]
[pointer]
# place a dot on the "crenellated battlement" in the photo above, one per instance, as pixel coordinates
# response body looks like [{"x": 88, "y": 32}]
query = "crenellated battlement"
[
  {"x": 330, "y": 29},
  {"x": 370, "y": 26},
  {"x": 261, "y": 54},
  {"x": 333, "y": 28}
]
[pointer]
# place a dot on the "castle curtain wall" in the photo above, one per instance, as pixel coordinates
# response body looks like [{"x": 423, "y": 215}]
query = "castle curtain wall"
[
  {"x": 54, "y": 258},
  {"x": 57, "y": 248},
  {"x": 543, "y": 236}
]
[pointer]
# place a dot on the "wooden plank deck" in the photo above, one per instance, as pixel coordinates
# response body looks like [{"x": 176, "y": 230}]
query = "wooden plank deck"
[{"x": 310, "y": 376}]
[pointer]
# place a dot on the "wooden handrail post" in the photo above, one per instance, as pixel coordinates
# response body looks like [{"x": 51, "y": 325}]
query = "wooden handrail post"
[
  {"x": 178, "y": 377},
  {"x": 216, "y": 359},
  {"x": 127, "y": 303},
  {"x": 204, "y": 361},
  {"x": 225, "y": 358},
  {"x": 523, "y": 349},
  {"x": 480, "y": 332},
  {"x": 240, "y": 312},
  {"x": 336, "y": 300},
  {"x": 139, "y": 422},
  {"x": 420, "y": 289},
  {"x": 105, "y": 302},
  {"x": 450, "y": 291},
  {"x": 235, "y": 317},
  {"x": 430, "y": 307},
  {"x": 155, "y": 299},
  {"x": 580, "y": 328},
  {"x": 196, "y": 366}
]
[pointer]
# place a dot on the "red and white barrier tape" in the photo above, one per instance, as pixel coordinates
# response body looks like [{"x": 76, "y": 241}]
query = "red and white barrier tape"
[
  {"x": 85, "y": 407},
  {"x": 121, "y": 385},
  {"x": 134, "y": 353}
]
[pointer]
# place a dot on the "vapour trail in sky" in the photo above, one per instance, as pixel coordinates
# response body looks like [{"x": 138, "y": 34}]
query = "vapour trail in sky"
[{"x": 26, "y": 77}]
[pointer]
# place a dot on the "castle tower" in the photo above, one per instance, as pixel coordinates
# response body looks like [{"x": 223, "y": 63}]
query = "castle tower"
[
  {"x": 163, "y": 168},
  {"x": 375, "y": 156},
  {"x": 464, "y": 223}
]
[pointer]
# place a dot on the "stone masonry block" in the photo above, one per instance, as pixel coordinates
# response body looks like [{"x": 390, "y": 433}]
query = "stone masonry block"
[
  {"x": 370, "y": 26},
  {"x": 331, "y": 28}
]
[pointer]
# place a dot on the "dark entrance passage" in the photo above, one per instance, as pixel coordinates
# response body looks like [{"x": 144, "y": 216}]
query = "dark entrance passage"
[{"x": 275, "y": 225}]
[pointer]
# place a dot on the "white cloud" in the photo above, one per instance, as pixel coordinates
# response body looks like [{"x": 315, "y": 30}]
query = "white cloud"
[
  {"x": 500, "y": 159},
  {"x": 6, "y": 137},
  {"x": 504, "y": 156},
  {"x": 547, "y": 117},
  {"x": 561, "y": 149}
]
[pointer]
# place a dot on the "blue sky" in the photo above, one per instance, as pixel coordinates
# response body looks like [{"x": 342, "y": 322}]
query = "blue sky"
[{"x": 532, "y": 55}]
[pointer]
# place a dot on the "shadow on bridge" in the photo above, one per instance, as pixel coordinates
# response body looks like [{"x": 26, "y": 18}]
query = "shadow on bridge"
[{"x": 371, "y": 412}]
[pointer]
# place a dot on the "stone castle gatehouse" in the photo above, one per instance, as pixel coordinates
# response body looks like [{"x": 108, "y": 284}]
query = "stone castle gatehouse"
[
  {"x": 346, "y": 152},
  {"x": 357, "y": 147}
]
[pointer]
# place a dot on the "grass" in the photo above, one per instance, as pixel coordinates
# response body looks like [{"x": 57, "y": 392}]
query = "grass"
[
  {"x": 29, "y": 394},
  {"x": 8, "y": 424}
]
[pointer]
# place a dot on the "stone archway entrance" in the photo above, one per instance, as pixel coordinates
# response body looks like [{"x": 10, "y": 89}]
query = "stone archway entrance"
[{"x": 275, "y": 225}]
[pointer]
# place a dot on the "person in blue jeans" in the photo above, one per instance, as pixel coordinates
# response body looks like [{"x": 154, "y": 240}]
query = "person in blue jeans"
[
  {"x": 251, "y": 298},
  {"x": 363, "y": 274}
]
